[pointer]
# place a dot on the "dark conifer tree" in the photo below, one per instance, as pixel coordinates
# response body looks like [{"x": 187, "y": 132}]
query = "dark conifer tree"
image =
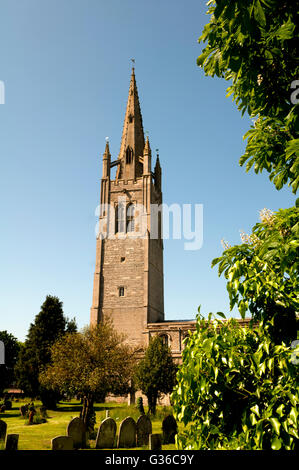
[
  {"x": 49, "y": 325},
  {"x": 156, "y": 373},
  {"x": 12, "y": 348}
]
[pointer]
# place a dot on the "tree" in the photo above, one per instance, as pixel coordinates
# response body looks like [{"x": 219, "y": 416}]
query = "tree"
[
  {"x": 253, "y": 43},
  {"x": 92, "y": 362},
  {"x": 11, "y": 355},
  {"x": 236, "y": 389},
  {"x": 155, "y": 373},
  {"x": 262, "y": 272},
  {"x": 49, "y": 325}
]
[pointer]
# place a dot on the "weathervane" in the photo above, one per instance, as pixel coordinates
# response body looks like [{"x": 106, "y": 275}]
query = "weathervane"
[{"x": 133, "y": 62}]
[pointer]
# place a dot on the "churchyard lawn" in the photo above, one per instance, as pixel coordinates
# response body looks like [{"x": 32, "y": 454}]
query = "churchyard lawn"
[{"x": 38, "y": 436}]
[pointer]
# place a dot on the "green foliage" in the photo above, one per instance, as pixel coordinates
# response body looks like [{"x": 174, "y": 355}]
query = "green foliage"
[
  {"x": 90, "y": 363},
  {"x": 253, "y": 44},
  {"x": 7, "y": 403},
  {"x": 262, "y": 272},
  {"x": 11, "y": 355},
  {"x": 37, "y": 419},
  {"x": 49, "y": 325},
  {"x": 236, "y": 389},
  {"x": 155, "y": 374},
  {"x": 93, "y": 361}
]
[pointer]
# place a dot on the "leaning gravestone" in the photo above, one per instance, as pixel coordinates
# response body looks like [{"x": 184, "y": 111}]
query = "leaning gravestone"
[
  {"x": 62, "y": 443},
  {"x": 155, "y": 442},
  {"x": 170, "y": 429},
  {"x": 127, "y": 433},
  {"x": 3, "y": 428},
  {"x": 143, "y": 430},
  {"x": 106, "y": 434},
  {"x": 12, "y": 442},
  {"x": 76, "y": 429}
]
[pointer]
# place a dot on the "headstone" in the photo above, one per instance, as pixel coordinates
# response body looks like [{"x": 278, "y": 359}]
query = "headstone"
[
  {"x": 106, "y": 434},
  {"x": 3, "y": 429},
  {"x": 76, "y": 429},
  {"x": 62, "y": 443},
  {"x": 155, "y": 442},
  {"x": 170, "y": 429},
  {"x": 31, "y": 416},
  {"x": 127, "y": 433},
  {"x": 12, "y": 442},
  {"x": 143, "y": 430},
  {"x": 24, "y": 410}
]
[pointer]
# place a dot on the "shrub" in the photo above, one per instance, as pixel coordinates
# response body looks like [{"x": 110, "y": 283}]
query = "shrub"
[
  {"x": 7, "y": 404},
  {"x": 236, "y": 389},
  {"x": 37, "y": 419}
]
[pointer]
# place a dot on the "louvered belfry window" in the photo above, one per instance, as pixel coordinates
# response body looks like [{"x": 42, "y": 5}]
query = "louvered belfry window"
[{"x": 130, "y": 218}]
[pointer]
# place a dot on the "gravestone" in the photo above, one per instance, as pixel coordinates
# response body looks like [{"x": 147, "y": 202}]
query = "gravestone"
[
  {"x": 106, "y": 434},
  {"x": 170, "y": 429},
  {"x": 155, "y": 442},
  {"x": 143, "y": 430},
  {"x": 12, "y": 442},
  {"x": 76, "y": 429},
  {"x": 127, "y": 433},
  {"x": 24, "y": 410},
  {"x": 62, "y": 443},
  {"x": 3, "y": 429}
]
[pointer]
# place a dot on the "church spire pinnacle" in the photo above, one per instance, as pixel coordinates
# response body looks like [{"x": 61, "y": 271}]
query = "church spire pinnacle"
[
  {"x": 106, "y": 160},
  {"x": 132, "y": 141},
  {"x": 147, "y": 156},
  {"x": 107, "y": 150}
]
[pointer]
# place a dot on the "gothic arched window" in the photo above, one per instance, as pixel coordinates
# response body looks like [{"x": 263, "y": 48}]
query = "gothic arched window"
[
  {"x": 129, "y": 155},
  {"x": 164, "y": 338},
  {"x": 120, "y": 218},
  {"x": 130, "y": 218}
]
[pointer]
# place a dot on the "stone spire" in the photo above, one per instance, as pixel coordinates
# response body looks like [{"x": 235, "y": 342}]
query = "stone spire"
[
  {"x": 158, "y": 174},
  {"x": 147, "y": 154},
  {"x": 132, "y": 141},
  {"x": 106, "y": 161}
]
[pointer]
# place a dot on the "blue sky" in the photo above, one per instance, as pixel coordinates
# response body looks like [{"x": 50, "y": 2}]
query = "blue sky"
[{"x": 66, "y": 68}]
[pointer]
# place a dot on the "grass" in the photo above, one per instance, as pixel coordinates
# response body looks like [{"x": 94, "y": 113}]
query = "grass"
[{"x": 39, "y": 436}]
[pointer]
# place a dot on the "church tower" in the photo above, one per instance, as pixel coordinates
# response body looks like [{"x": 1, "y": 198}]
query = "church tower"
[{"x": 128, "y": 279}]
